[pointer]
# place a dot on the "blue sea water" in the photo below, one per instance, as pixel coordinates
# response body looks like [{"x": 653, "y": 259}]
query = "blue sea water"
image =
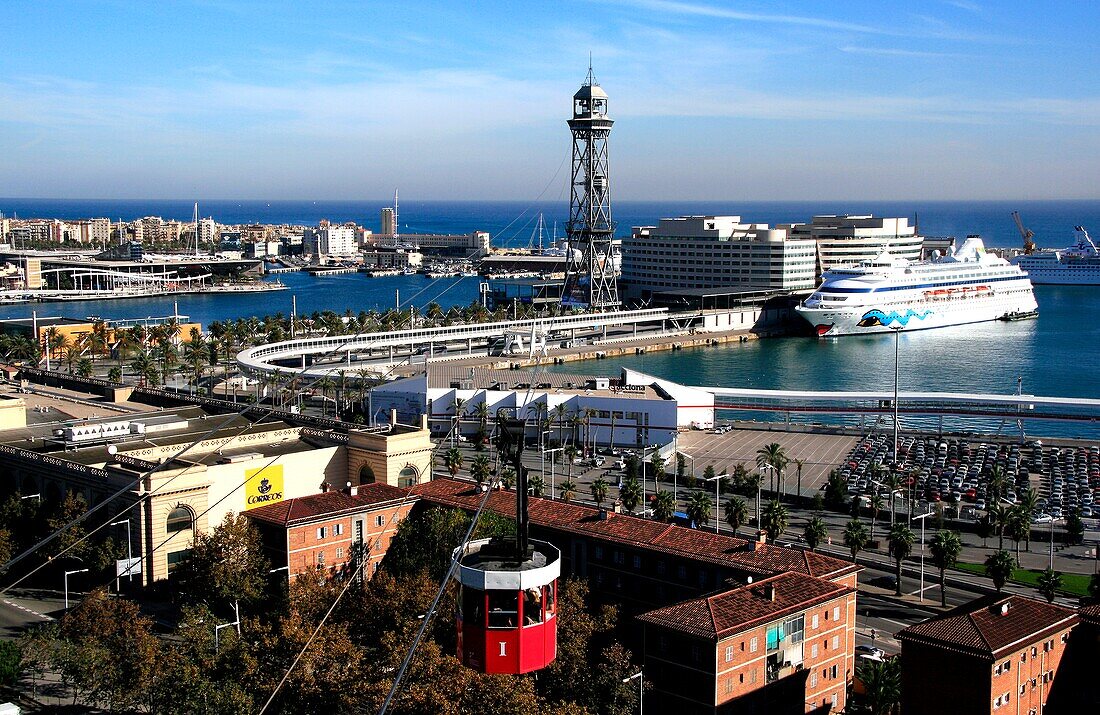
[{"x": 1055, "y": 354}]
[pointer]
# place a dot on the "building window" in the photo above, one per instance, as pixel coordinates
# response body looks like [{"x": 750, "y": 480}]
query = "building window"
[
  {"x": 832, "y": 672},
  {"x": 833, "y": 699},
  {"x": 753, "y": 645},
  {"x": 813, "y": 651},
  {"x": 682, "y": 572},
  {"x": 729, "y": 685},
  {"x": 320, "y": 558},
  {"x": 660, "y": 567},
  {"x": 177, "y": 558},
  {"x": 813, "y": 621},
  {"x": 338, "y": 529},
  {"x": 179, "y": 519},
  {"x": 695, "y": 653},
  {"x": 813, "y": 680},
  {"x": 322, "y": 532},
  {"x": 380, "y": 520},
  {"x": 729, "y": 653},
  {"x": 597, "y": 552},
  {"x": 836, "y": 641},
  {"x": 619, "y": 558},
  {"x": 339, "y": 552},
  {"x": 836, "y": 613},
  {"x": 637, "y": 561}
]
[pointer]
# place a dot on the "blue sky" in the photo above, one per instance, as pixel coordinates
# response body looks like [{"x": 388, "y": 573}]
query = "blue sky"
[{"x": 938, "y": 99}]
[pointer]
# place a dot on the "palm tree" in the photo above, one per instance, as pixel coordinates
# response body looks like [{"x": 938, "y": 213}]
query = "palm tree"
[
  {"x": 855, "y": 537},
  {"x": 481, "y": 411},
  {"x": 84, "y": 368},
  {"x": 774, "y": 519},
  {"x": 324, "y": 385},
  {"x": 114, "y": 375},
  {"x": 664, "y": 506},
  {"x": 453, "y": 460},
  {"x": 570, "y": 453},
  {"x": 559, "y": 412},
  {"x": 457, "y": 404},
  {"x": 876, "y": 506},
  {"x": 901, "y": 545},
  {"x": 881, "y": 681},
  {"x": 144, "y": 365},
  {"x": 997, "y": 482},
  {"x": 736, "y": 512},
  {"x": 1018, "y": 528},
  {"x": 998, "y": 516},
  {"x": 773, "y": 455},
  {"x": 815, "y": 532},
  {"x": 1049, "y": 584},
  {"x": 536, "y": 484},
  {"x": 999, "y": 567},
  {"x": 599, "y": 491},
  {"x": 946, "y": 546},
  {"x": 698, "y": 508},
  {"x": 480, "y": 469},
  {"x": 568, "y": 490},
  {"x": 799, "y": 463},
  {"x": 1029, "y": 507},
  {"x": 630, "y": 494},
  {"x": 984, "y": 529},
  {"x": 892, "y": 481}
]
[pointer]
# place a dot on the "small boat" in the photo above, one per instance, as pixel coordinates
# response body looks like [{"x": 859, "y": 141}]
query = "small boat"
[{"x": 1019, "y": 315}]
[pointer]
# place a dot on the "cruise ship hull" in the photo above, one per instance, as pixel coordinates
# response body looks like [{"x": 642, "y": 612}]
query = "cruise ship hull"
[
  {"x": 1053, "y": 272},
  {"x": 917, "y": 315}
]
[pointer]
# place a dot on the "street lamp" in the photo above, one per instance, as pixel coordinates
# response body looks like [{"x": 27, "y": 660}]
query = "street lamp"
[
  {"x": 675, "y": 475},
  {"x": 67, "y": 574},
  {"x": 641, "y": 689},
  {"x": 717, "y": 479},
  {"x": 921, "y": 518},
  {"x": 897, "y": 333},
  {"x": 759, "y": 486},
  {"x": 891, "y": 494},
  {"x": 33, "y": 496},
  {"x": 543, "y": 474},
  {"x": 129, "y": 554}
]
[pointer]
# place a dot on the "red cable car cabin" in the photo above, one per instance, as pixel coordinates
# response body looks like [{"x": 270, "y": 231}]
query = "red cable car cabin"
[{"x": 507, "y": 611}]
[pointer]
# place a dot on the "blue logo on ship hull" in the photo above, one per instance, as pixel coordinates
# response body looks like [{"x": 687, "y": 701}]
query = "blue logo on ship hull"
[{"x": 876, "y": 318}]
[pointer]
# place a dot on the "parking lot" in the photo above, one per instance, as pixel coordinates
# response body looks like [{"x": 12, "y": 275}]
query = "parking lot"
[{"x": 820, "y": 453}]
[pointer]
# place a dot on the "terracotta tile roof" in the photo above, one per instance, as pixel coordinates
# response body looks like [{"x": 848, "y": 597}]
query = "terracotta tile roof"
[
  {"x": 745, "y": 607},
  {"x": 327, "y": 505},
  {"x": 1091, "y": 614},
  {"x": 981, "y": 628},
  {"x": 732, "y": 552}
]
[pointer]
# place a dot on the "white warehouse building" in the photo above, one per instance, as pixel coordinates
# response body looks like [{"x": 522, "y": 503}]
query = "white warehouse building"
[
  {"x": 634, "y": 410},
  {"x": 703, "y": 252}
]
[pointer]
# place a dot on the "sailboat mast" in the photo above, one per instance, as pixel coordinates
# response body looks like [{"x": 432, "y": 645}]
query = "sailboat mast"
[
  {"x": 396, "y": 222},
  {"x": 541, "y": 227},
  {"x": 196, "y": 228}
]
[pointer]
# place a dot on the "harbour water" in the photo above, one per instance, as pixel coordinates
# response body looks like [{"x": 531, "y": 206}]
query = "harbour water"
[{"x": 1056, "y": 355}]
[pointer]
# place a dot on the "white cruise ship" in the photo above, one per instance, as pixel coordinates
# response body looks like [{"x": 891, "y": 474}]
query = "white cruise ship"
[
  {"x": 1078, "y": 264},
  {"x": 969, "y": 286}
]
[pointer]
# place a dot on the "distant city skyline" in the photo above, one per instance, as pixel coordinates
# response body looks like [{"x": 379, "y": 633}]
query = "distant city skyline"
[{"x": 852, "y": 100}]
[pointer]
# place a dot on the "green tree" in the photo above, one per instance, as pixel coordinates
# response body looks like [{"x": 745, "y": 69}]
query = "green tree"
[
  {"x": 631, "y": 495},
  {"x": 508, "y": 478},
  {"x": 815, "y": 532},
  {"x": 536, "y": 484},
  {"x": 226, "y": 564},
  {"x": 664, "y": 506},
  {"x": 631, "y": 464},
  {"x": 1075, "y": 528},
  {"x": 881, "y": 684},
  {"x": 481, "y": 469},
  {"x": 773, "y": 455},
  {"x": 452, "y": 460},
  {"x": 736, "y": 513},
  {"x": 774, "y": 519},
  {"x": 11, "y": 663},
  {"x": 599, "y": 491},
  {"x": 568, "y": 490},
  {"x": 657, "y": 466},
  {"x": 698, "y": 509},
  {"x": 901, "y": 540},
  {"x": 836, "y": 491},
  {"x": 984, "y": 529},
  {"x": 999, "y": 566},
  {"x": 876, "y": 505},
  {"x": 114, "y": 375},
  {"x": 946, "y": 547},
  {"x": 426, "y": 540},
  {"x": 1049, "y": 584},
  {"x": 84, "y": 368},
  {"x": 855, "y": 537}
]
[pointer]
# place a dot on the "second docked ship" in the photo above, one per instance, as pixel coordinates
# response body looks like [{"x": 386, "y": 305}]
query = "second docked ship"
[{"x": 968, "y": 286}]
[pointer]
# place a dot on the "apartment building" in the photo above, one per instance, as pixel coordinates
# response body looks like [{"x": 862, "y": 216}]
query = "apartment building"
[
  {"x": 329, "y": 240},
  {"x": 997, "y": 655},
  {"x": 334, "y": 531},
  {"x": 702, "y": 252},
  {"x": 782, "y": 644}
]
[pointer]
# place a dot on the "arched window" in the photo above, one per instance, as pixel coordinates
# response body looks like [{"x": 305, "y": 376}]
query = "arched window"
[
  {"x": 179, "y": 519},
  {"x": 366, "y": 474},
  {"x": 408, "y": 477}
]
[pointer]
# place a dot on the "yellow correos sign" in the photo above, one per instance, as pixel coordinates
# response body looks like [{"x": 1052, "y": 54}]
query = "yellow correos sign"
[{"x": 263, "y": 486}]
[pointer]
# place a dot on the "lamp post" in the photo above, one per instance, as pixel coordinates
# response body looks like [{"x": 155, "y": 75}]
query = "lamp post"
[
  {"x": 717, "y": 479},
  {"x": 67, "y": 574},
  {"x": 551, "y": 453},
  {"x": 129, "y": 554},
  {"x": 897, "y": 334},
  {"x": 675, "y": 475},
  {"x": 641, "y": 689},
  {"x": 759, "y": 486},
  {"x": 921, "y": 519}
]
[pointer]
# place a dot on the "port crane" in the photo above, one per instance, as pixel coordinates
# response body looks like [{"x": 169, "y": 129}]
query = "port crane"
[{"x": 1028, "y": 234}]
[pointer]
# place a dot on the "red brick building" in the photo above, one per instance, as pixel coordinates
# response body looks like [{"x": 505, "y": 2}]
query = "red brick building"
[
  {"x": 327, "y": 531},
  {"x": 999, "y": 654},
  {"x": 783, "y": 644}
]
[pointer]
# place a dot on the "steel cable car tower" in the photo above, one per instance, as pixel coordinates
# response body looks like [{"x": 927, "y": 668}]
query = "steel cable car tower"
[{"x": 590, "y": 271}]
